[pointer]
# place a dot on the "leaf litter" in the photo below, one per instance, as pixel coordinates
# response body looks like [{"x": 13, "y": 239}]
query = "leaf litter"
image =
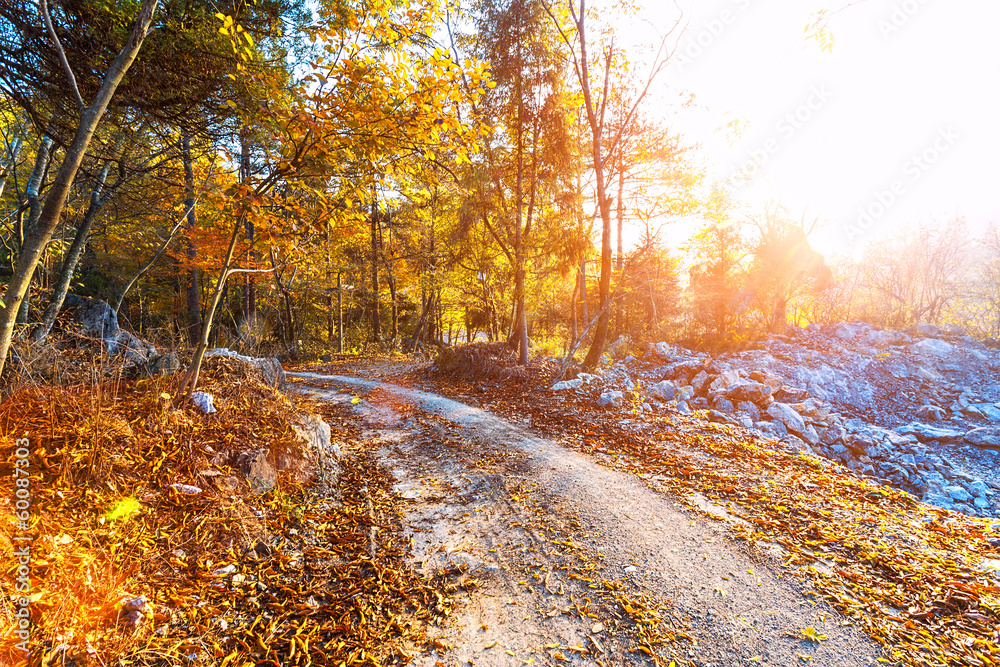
[
  {"x": 150, "y": 547},
  {"x": 910, "y": 574}
]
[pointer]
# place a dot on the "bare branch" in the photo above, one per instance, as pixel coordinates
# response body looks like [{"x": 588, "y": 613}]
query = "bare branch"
[{"x": 44, "y": 7}]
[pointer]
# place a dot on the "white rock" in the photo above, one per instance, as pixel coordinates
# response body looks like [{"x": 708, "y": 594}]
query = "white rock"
[
  {"x": 186, "y": 489},
  {"x": 575, "y": 383},
  {"x": 933, "y": 347},
  {"x": 787, "y": 415},
  {"x": 204, "y": 401},
  {"x": 611, "y": 399}
]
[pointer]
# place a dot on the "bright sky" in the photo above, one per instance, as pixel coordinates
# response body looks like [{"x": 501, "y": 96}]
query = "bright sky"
[{"x": 899, "y": 122}]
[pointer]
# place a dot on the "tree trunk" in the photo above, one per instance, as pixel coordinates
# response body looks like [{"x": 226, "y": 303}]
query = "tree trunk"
[
  {"x": 620, "y": 257},
  {"x": 376, "y": 316},
  {"x": 192, "y": 290},
  {"x": 43, "y": 158},
  {"x": 73, "y": 256},
  {"x": 572, "y": 310},
  {"x": 55, "y": 201},
  {"x": 390, "y": 278},
  {"x": 190, "y": 381}
]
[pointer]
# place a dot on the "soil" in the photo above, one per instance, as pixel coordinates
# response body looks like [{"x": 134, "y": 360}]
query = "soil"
[{"x": 568, "y": 561}]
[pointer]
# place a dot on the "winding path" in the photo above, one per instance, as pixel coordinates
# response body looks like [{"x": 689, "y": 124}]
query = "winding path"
[{"x": 740, "y": 607}]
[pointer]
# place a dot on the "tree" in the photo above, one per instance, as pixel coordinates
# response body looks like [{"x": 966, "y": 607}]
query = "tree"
[
  {"x": 375, "y": 101},
  {"x": 784, "y": 264},
  {"x": 49, "y": 218},
  {"x": 571, "y": 21}
]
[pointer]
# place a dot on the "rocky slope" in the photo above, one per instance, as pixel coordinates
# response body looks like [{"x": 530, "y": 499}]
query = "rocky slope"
[{"x": 919, "y": 409}]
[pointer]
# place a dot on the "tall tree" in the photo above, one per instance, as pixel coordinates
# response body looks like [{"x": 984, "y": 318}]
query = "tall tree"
[
  {"x": 594, "y": 77},
  {"x": 89, "y": 118}
]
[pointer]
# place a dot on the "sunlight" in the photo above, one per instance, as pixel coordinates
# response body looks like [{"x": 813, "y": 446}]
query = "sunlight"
[{"x": 905, "y": 98}]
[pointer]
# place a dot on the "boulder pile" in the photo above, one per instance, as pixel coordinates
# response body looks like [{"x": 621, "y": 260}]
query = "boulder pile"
[{"x": 917, "y": 409}]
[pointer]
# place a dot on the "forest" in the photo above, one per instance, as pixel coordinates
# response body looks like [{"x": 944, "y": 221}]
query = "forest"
[
  {"x": 301, "y": 180},
  {"x": 426, "y": 332}
]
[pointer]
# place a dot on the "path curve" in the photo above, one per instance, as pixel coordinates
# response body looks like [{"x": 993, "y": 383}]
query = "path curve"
[{"x": 739, "y": 603}]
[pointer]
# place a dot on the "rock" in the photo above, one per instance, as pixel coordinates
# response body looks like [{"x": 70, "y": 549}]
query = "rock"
[
  {"x": 958, "y": 493},
  {"x": 930, "y": 412},
  {"x": 978, "y": 488},
  {"x": 939, "y": 500},
  {"x": 812, "y": 408},
  {"x": 611, "y": 399},
  {"x": 721, "y": 418},
  {"x": 784, "y": 413},
  {"x": 984, "y": 438},
  {"x": 933, "y": 347},
  {"x": 261, "y": 474},
  {"x": 664, "y": 350},
  {"x": 981, "y": 503},
  {"x": 588, "y": 377},
  {"x": 924, "y": 433},
  {"x": 135, "y": 604},
  {"x": 663, "y": 390},
  {"x": 924, "y": 330},
  {"x": 771, "y": 380},
  {"x": 844, "y": 331},
  {"x": 98, "y": 320},
  {"x": 270, "y": 369},
  {"x": 228, "y": 484},
  {"x": 685, "y": 393},
  {"x": 883, "y": 339},
  {"x": 162, "y": 364},
  {"x": 575, "y": 383},
  {"x": 204, "y": 401},
  {"x": 835, "y": 433},
  {"x": 699, "y": 382},
  {"x": 988, "y": 411},
  {"x": 809, "y": 435},
  {"x": 185, "y": 489},
  {"x": 315, "y": 433},
  {"x": 749, "y": 409},
  {"x": 748, "y": 390},
  {"x": 723, "y": 405},
  {"x": 683, "y": 369},
  {"x": 786, "y": 394}
]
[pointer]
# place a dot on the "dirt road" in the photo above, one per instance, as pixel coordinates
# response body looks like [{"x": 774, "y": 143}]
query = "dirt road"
[{"x": 567, "y": 560}]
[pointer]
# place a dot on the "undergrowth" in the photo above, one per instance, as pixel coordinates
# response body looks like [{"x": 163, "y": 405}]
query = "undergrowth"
[{"x": 134, "y": 500}]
